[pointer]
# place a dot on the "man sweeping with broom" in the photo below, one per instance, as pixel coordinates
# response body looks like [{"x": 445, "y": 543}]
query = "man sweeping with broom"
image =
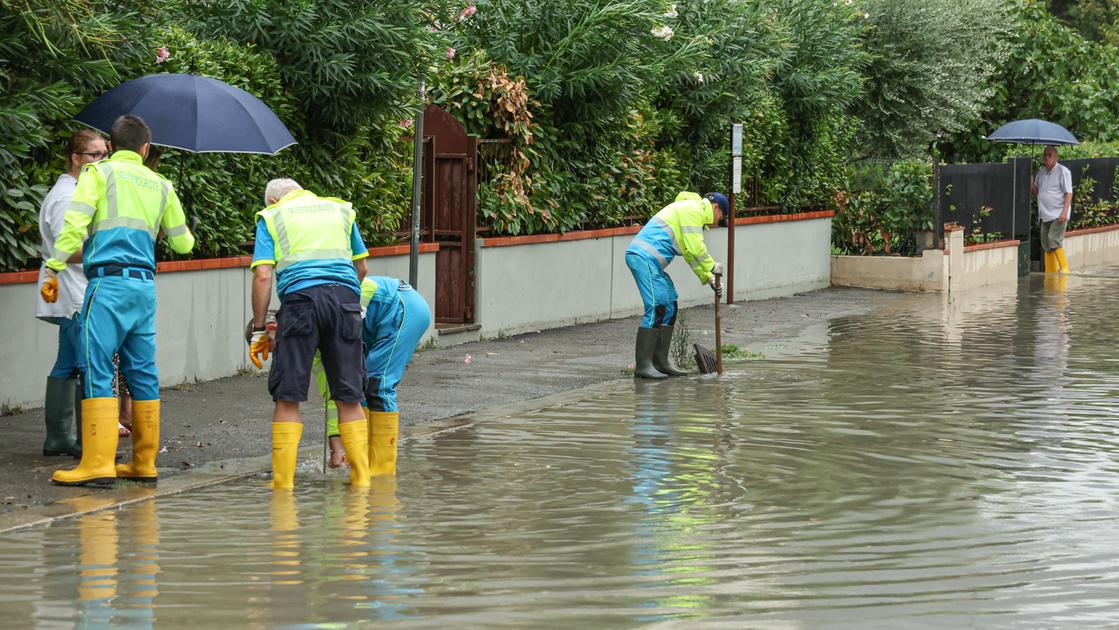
[{"x": 677, "y": 229}]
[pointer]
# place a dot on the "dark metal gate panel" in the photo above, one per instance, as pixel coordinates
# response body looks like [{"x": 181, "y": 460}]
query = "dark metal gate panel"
[{"x": 449, "y": 208}]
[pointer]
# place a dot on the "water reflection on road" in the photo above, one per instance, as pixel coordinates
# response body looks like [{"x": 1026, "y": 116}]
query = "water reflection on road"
[{"x": 938, "y": 462}]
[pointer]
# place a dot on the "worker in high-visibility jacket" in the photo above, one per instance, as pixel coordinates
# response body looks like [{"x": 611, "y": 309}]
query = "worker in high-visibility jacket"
[
  {"x": 121, "y": 205},
  {"x": 395, "y": 319},
  {"x": 676, "y": 229},
  {"x": 314, "y": 246}
]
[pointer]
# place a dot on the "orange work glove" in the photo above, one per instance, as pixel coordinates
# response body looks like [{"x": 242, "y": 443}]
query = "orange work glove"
[
  {"x": 49, "y": 290},
  {"x": 259, "y": 347}
]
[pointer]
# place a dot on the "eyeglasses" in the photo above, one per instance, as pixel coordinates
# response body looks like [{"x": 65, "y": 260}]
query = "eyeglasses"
[{"x": 98, "y": 155}]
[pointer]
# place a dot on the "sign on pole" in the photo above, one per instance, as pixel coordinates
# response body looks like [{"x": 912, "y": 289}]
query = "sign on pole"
[
  {"x": 736, "y": 174},
  {"x": 736, "y": 140}
]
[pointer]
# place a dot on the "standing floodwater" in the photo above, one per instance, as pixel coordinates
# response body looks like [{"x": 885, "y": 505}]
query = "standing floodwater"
[{"x": 942, "y": 463}]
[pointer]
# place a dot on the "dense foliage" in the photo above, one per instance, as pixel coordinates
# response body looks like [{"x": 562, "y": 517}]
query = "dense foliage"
[{"x": 604, "y": 108}]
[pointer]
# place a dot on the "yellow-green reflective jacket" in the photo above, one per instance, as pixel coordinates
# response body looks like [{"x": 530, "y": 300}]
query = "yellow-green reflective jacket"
[
  {"x": 121, "y": 205},
  {"x": 678, "y": 229}
]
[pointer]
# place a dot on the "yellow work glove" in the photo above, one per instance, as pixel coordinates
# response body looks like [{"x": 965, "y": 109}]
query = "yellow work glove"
[
  {"x": 49, "y": 290},
  {"x": 259, "y": 347}
]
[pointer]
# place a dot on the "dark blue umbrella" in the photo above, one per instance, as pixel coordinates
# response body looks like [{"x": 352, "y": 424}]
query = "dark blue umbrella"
[
  {"x": 192, "y": 113},
  {"x": 1033, "y": 131}
]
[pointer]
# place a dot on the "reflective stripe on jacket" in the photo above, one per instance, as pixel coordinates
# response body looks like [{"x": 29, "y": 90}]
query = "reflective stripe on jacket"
[
  {"x": 304, "y": 226},
  {"x": 121, "y": 193},
  {"x": 678, "y": 229}
]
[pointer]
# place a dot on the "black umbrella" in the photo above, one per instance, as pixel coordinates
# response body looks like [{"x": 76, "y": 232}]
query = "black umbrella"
[
  {"x": 192, "y": 113},
  {"x": 1033, "y": 131}
]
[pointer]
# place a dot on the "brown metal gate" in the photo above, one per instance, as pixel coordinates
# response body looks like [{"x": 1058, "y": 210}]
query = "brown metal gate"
[{"x": 448, "y": 213}]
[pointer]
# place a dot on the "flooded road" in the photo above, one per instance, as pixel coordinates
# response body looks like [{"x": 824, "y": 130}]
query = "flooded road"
[{"x": 937, "y": 463}]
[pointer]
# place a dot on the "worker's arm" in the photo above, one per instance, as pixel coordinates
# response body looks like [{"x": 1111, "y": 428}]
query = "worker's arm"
[
  {"x": 83, "y": 205},
  {"x": 691, "y": 241},
  {"x": 360, "y": 253},
  {"x": 262, "y": 293},
  {"x": 174, "y": 223}
]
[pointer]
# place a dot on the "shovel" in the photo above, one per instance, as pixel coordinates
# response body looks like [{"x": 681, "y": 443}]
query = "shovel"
[{"x": 707, "y": 361}]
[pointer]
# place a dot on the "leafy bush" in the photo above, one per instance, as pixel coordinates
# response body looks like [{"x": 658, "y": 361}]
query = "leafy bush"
[
  {"x": 930, "y": 70},
  {"x": 886, "y": 203}
]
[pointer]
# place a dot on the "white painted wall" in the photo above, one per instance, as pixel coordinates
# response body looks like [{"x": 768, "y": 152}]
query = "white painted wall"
[
  {"x": 200, "y": 325},
  {"x": 529, "y": 287},
  {"x": 1092, "y": 250}
]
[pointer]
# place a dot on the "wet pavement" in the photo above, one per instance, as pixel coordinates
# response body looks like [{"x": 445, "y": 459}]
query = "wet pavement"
[
  {"x": 219, "y": 425},
  {"x": 922, "y": 463}
]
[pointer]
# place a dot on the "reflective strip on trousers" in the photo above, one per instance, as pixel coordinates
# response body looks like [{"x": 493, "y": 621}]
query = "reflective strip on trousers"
[
  {"x": 314, "y": 254},
  {"x": 652, "y": 250},
  {"x": 660, "y": 223}
]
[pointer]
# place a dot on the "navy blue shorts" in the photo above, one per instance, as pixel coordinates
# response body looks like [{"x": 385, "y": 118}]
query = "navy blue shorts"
[{"x": 325, "y": 318}]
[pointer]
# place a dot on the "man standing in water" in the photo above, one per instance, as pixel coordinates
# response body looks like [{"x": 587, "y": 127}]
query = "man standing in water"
[
  {"x": 1053, "y": 187},
  {"x": 677, "y": 229},
  {"x": 318, "y": 256}
]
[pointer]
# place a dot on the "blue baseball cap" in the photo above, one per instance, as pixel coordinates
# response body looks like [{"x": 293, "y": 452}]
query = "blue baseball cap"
[{"x": 720, "y": 199}]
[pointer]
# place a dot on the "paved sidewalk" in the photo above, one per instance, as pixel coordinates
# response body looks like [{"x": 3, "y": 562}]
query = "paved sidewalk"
[{"x": 228, "y": 419}]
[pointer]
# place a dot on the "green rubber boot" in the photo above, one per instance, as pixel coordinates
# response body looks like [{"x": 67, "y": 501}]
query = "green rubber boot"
[
  {"x": 646, "y": 346},
  {"x": 59, "y": 413},
  {"x": 660, "y": 355}
]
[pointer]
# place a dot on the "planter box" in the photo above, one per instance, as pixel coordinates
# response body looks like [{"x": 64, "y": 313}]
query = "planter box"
[{"x": 954, "y": 268}]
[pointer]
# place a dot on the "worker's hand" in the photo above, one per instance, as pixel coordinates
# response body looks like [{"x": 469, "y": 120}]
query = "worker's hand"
[
  {"x": 49, "y": 290},
  {"x": 717, "y": 269},
  {"x": 716, "y": 286},
  {"x": 259, "y": 347}
]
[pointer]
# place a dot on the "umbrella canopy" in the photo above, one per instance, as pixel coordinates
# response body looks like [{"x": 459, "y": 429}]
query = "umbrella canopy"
[
  {"x": 192, "y": 113},
  {"x": 1033, "y": 131}
]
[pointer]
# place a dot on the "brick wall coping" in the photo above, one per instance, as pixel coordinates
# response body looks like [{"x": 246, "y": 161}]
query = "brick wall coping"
[
  {"x": 579, "y": 235},
  {"x": 1093, "y": 230},
  {"x": 995, "y": 245},
  {"x": 204, "y": 264}
]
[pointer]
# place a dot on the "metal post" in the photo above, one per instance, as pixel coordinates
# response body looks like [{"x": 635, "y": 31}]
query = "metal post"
[
  {"x": 735, "y": 188},
  {"x": 417, "y": 180},
  {"x": 938, "y": 219}
]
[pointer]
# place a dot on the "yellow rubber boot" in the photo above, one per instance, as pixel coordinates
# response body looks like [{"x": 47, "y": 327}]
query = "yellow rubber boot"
[
  {"x": 145, "y": 442},
  {"x": 285, "y": 451},
  {"x": 1050, "y": 262},
  {"x": 383, "y": 428},
  {"x": 1062, "y": 262},
  {"x": 355, "y": 441},
  {"x": 99, "y": 446}
]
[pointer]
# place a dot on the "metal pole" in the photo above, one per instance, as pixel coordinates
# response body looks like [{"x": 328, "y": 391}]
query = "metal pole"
[
  {"x": 417, "y": 180},
  {"x": 730, "y": 236}
]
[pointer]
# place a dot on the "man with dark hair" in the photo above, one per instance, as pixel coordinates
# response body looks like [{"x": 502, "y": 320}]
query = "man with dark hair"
[
  {"x": 676, "y": 229},
  {"x": 121, "y": 205}
]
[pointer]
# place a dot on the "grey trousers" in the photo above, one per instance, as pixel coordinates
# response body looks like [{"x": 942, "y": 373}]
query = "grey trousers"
[{"x": 1052, "y": 234}]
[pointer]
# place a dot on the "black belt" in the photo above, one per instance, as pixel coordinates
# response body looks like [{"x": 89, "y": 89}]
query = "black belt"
[{"x": 138, "y": 273}]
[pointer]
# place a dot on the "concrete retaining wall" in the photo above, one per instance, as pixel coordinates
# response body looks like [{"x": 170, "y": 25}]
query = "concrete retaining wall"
[
  {"x": 1092, "y": 247},
  {"x": 203, "y": 307},
  {"x": 531, "y": 283},
  {"x": 955, "y": 268}
]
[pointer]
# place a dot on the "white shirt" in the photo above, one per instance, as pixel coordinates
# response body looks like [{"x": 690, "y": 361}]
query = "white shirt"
[
  {"x": 1052, "y": 186},
  {"x": 71, "y": 280}
]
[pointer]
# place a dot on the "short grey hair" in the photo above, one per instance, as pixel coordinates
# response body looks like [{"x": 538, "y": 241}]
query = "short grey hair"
[
  {"x": 1048, "y": 148},
  {"x": 277, "y": 188}
]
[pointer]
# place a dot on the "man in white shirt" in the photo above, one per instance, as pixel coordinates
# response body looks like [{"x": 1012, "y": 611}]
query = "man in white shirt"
[
  {"x": 62, "y": 385},
  {"x": 1053, "y": 187}
]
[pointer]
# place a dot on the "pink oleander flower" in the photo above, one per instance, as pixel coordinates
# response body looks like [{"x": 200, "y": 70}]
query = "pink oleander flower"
[
  {"x": 467, "y": 12},
  {"x": 162, "y": 54},
  {"x": 468, "y": 360},
  {"x": 450, "y": 53},
  {"x": 406, "y": 123}
]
